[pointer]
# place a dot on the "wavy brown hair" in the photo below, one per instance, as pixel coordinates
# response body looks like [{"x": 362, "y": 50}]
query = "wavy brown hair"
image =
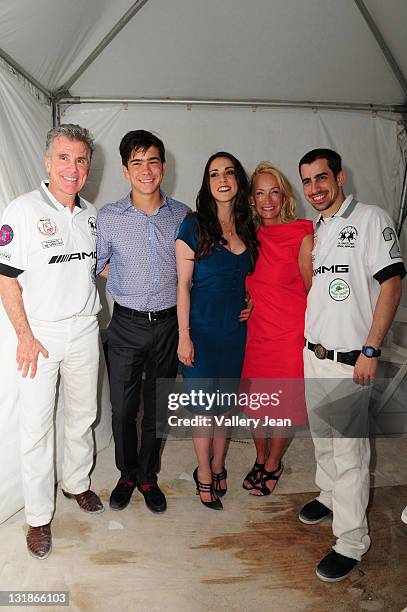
[{"x": 210, "y": 233}]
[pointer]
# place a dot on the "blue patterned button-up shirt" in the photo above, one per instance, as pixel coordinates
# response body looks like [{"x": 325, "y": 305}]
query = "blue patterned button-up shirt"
[{"x": 140, "y": 250}]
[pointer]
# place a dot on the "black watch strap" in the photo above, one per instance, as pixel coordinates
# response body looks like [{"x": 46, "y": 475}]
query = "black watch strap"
[{"x": 371, "y": 351}]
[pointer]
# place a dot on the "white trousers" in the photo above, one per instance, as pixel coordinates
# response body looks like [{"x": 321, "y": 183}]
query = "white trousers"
[
  {"x": 73, "y": 346},
  {"x": 337, "y": 412}
]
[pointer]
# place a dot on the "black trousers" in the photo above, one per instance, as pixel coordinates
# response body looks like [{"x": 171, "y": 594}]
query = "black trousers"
[{"x": 137, "y": 345}]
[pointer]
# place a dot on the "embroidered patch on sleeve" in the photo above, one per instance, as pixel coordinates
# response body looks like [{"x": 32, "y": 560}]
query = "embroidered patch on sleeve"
[{"x": 6, "y": 235}]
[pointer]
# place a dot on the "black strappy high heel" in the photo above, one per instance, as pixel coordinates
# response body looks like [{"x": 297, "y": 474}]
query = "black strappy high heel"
[
  {"x": 216, "y": 479},
  {"x": 202, "y": 487},
  {"x": 262, "y": 487},
  {"x": 254, "y": 476}
]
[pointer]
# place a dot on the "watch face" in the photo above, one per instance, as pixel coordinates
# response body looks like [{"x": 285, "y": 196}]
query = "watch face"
[{"x": 370, "y": 351}]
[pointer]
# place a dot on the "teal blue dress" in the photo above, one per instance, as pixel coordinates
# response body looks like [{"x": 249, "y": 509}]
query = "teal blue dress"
[{"x": 217, "y": 297}]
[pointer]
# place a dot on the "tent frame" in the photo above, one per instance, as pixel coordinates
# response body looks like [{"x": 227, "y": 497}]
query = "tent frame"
[
  {"x": 62, "y": 96},
  {"x": 23, "y": 73},
  {"x": 403, "y": 204},
  {"x": 123, "y": 21},
  {"x": 391, "y": 60},
  {"x": 255, "y": 103}
]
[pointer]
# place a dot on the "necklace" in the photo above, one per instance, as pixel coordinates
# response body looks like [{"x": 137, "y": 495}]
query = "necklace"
[{"x": 228, "y": 231}]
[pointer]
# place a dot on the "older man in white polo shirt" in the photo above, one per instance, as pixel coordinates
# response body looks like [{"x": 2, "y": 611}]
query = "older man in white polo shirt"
[
  {"x": 355, "y": 293},
  {"x": 47, "y": 285}
]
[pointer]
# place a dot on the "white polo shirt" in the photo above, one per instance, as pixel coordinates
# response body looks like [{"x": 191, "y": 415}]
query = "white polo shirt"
[
  {"x": 354, "y": 251},
  {"x": 53, "y": 253}
]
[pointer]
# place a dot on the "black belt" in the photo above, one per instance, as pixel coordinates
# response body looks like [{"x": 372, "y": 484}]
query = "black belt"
[
  {"x": 151, "y": 316},
  {"x": 322, "y": 353}
]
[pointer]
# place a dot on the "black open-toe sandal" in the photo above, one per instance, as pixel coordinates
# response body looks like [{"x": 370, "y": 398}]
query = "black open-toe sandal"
[
  {"x": 216, "y": 479},
  {"x": 254, "y": 476},
  {"x": 262, "y": 487}
]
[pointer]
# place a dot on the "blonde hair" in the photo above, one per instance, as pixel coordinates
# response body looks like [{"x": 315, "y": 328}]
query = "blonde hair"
[{"x": 289, "y": 202}]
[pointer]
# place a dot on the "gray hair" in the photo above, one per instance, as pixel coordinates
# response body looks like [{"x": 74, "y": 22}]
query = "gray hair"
[{"x": 73, "y": 132}]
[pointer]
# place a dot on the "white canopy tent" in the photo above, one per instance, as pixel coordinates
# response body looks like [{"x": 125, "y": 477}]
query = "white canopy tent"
[{"x": 269, "y": 79}]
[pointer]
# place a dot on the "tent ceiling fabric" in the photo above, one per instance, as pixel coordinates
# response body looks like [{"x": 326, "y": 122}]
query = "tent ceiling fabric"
[
  {"x": 51, "y": 38},
  {"x": 391, "y": 17},
  {"x": 262, "y": 49}
]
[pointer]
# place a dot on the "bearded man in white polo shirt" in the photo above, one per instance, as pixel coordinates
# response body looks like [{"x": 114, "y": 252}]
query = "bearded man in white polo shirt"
[
  {"x": 47, "y": 285},
  {"x": 355, "y": 293}
]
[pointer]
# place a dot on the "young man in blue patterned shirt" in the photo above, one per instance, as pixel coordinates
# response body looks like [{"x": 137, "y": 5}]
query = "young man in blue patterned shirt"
[{"x": 136, "y": 244}]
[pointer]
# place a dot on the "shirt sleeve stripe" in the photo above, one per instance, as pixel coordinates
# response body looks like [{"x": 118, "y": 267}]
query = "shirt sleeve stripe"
[
  {"x": 396, "y": 269},
  {"x": 9, "y": 271}
]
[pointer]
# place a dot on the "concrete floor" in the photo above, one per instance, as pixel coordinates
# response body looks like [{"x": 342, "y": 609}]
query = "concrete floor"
[{"x": 255, "y": 555}]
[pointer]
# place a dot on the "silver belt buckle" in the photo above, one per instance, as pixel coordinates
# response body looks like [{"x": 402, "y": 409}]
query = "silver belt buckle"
[
  {"x": 149, "y": 317},
  {"x": 320, "y": 351}
]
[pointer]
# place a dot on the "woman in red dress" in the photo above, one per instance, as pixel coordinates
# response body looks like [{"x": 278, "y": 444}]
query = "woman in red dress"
[{"x": 275, "y": 333}]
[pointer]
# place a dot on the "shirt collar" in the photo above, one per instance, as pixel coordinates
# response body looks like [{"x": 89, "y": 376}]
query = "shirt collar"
[
  {"x": 126, "y": 203},
  {"x": 339, "y": 213},
  {"x": 52, "y": 199}
]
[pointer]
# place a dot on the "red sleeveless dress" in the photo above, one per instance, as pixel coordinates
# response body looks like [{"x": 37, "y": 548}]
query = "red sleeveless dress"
[{"x": 275, "y": 329}]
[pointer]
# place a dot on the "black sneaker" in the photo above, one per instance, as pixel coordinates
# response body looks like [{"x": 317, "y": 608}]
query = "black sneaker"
[
  {"x": 335, "y": 567},
  {"x": 314, "y": 512},
  {"x": 121, "y": 494}
]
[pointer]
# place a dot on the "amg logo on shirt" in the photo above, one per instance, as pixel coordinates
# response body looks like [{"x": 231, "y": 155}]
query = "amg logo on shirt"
[
  {"x": 335, "y": 269},
  {"x": 72, "y": 256}
]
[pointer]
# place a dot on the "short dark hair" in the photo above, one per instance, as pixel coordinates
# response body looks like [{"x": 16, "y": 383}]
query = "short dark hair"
[
  {"x": 140, "y": 140},
  {"x": 332, "y": 157}
]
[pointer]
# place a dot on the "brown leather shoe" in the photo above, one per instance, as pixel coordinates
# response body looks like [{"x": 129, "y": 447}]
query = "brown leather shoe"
[
  {"x": 88, "y": 501},
  {"x": 39, "y": 541}
]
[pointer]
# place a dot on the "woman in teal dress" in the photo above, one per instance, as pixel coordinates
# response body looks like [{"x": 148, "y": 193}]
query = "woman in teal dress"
[{"x": 216, "y": 248}]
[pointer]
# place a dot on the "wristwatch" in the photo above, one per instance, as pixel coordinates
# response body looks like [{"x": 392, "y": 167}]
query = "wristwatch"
[{"x": 370, "y": 351}]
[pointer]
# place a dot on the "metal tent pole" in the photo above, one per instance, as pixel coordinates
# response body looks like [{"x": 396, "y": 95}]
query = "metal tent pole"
[
  {"x": 312, "y": 104},
  {"x": 123, "y": 21}
]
